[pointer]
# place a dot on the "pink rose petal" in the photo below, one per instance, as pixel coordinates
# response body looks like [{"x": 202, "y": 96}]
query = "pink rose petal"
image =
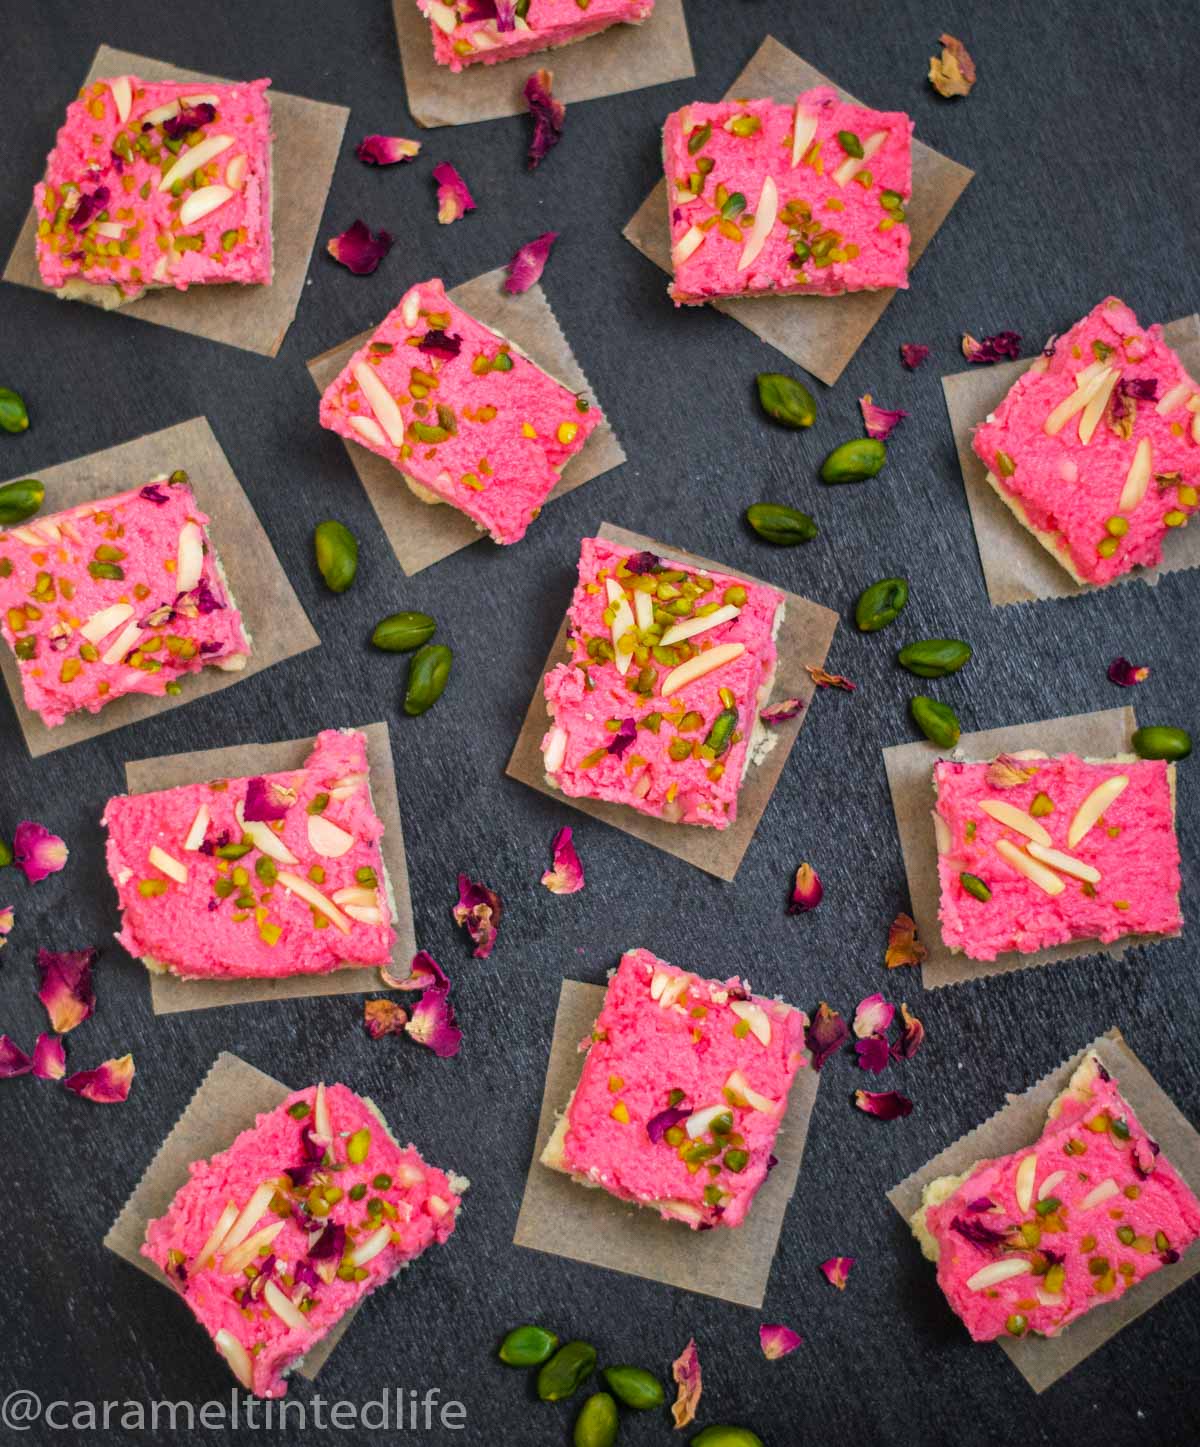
[
  {"x": 49, "y": 1058},
  {"x": 826, "y": 1035},
  {"x": 433, "y": 1024},
  {"x": 6, "y": 923},
  {"x": 879, "y": 421},
  {"x": 108, "y": 1084},
  {"x": 358, "y": 250},
  {"x": 873, "y": 1054},
  {"x": 625, "y": 735},
  {"x": 479, "y": 910},
  {"x": 1125, "y": 674},
  {"x": 567, "y": 875},
  {"x": 886, "y": 1104},
  {"x": 267, "y": 800},
  {"x": 777, "y": 713},
  {"x": 189, "y": 118},
  {"x": 65, "y": 987},
  {"x": 426, "y": 974},
  {"x": 873, "y": 1017},
  {"x": 912, "y": 354},
  {"x": 386, "y": 150},
  {"x": 454, "y": 200},
  {"x": 527, "y": 265},
  {"x": 383, "y": 1017},
  {"x": 912, "y": 1036},
  {"x": 13, "y": 1060},
  {"x": 837, "y": 1270},
  {"x": 778, "y": 1341},
  {"x": 441, "y": 344},
  {"x": 548, "y": 115},
  {"x": 807, "y": 891},
  {"x": 37, "y": 852},
  {"x": 1003, "y": 347},
  {"x": 686, "y": 1372}
]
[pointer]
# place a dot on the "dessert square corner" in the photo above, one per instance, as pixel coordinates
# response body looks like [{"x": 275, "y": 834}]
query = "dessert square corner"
[
  {"x": 768, "y": 199},
  {"x": 461, "y": 38},
  {"x": 682, "y": 1093}
]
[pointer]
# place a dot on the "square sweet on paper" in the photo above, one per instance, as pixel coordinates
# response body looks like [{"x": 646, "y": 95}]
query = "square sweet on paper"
[
  {"x": 470, "y": 32},
  {"x": 464, "y": 416},
  {"x": 1094, "y": 449},
  {"x": 1037, "y": 851},
  {"x": 265, "y": 877},
  {"x": 119, "y": 596},
  {"x": 682, "y": 1093},
  {"x": 775, "y": 200},
  {"x": 274, "y": 1240}
]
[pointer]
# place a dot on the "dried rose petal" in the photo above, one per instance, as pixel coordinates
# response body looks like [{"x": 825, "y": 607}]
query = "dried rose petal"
[
  {"x": 386, "y": 150},
  {"x": 567, "y": 875},
  {"x": 828, "y": 680},
  {"x": 886, "y": 1104},
  {"x": 903, "y": 947},
  {"x": 624, "y": 736},
  {"x": 547, "y": 112},
  {"x": 49, "y": 1058},
  {"x": 188, "y": 118},
  {"x": 778, "y": 1341},
  {"x": 7, "y": 918},
  {"x": 912, "y": 1036},
  {"x": 152, "y": 492},
  {"x": 979, "y": 1233},
  {"x": 330, "y": 1244},
  {"x": 1125, "y": 674},
  {"x": 912, "y": 354},
  {"x": 88, "y": 208},
  {"x": 13, "y": 1060},
  {"x": 433, "y": 1023},
  {"x": 880, "y": 422},
  {"x": 807, "y": 892},
  {"x": 658, "y": 1125},
  {"x": 873, "y": 1017},
  {"x": 981, "y": 1203},
  {"x": 837, "y": 1270},
  {"x": 358, "y": 250},
  {"x": 873, "y": 1054},
  {"x": 66, "y": 987},
  {"x": 108, "y": 1084},
  {"x": 686, "y": 1371},
  {"x": 777, "y": 713},
  {"x": 441, "y": 344},
  {"x": 642, "y": 563},
  {"x": 953, "y": 72},
  {"x": 529, "y": 262},
  {"x": 1008, "y": 772},
  {"x": 423, "y": 973},
  {"x": 454, "y": 200},
  {"x": 1004, "y": 346},
  {"x": 37, "y": 852},
  {"x": 826, "y": 1034},
  {"x": 383, "y": 1017},
  {"x": 267, "y": 800},
  {"x": 479, "y": 909}
]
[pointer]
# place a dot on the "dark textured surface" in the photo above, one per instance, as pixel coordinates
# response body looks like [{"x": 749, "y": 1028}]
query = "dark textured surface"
[{"x": 1080, "y": 129}]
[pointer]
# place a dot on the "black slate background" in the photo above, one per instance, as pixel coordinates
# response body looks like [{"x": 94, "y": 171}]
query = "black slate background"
[{"x": 1083, "y": 131}]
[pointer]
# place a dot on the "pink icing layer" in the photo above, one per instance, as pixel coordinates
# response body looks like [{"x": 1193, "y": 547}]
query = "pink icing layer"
[
  {"x": 419, "y": 1206},
  {"x": 641, "y": 1050},
  {"x": 1133, "y": 846},
  {"x": 84, "y": 160},
  {"x": 1155, "y": 1213},
  {"x": 863, "y": 257},
  {"x": 546, "y": 23},
  {"x": 1071, "y": 490},
  {"x": 261, "y": 928},
  {"x": 513, "y": 428},
  {"x": 703, "y": 787},
  {"x": 48, "y": 593}
]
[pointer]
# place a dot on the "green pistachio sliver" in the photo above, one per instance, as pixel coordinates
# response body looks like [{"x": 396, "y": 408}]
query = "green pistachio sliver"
[
  {"x": 720, "y": 736},
  {"x": 975, "y": 886},
  {"x": 854, "y": 461},
  {"x": 14, "y": 417},
  {"x": 402, "y": 632},
  {"x": 6, "y": 854},
  {"x": 699, "y": 139},
  {"x": 428, "y": 674},
  {"x": 337, "y": 555},
  {"x": 785, "y": 399},
  {"x": 937, "y": 721},
  {"x": 733, "y": 207},
  {"x": 850, "y": 143},
  {"x": 1159, "y": 741},
  {"x": 20, "y": 500},
  {"x": 880, "y": 604},
  {"x": 934, "y": 657}
]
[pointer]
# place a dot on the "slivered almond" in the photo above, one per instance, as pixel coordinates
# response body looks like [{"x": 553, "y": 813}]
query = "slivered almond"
[
  {"x": 1101, "y": 1193},
  {"x": 687, "y": 244},
  {"x": 764, "y": 218},
  {"x": 370, "y": 1248},
  {"x": 443, "y": 16},
  {"x": 998, "y": 1271},
  {"x": 235, "y": 172},
  {"x": 741, "y": 1087},
  {"x": 755, "y": 1016},
  {"x": 1044, "y": 878},
  {"x": 236, "y": 1356},
  {"x": 1077, "y": 401},
  {"x": 201, "y": 100},
  {"x": 224, "y": 1221},
  {"x": 347, "y": 786},
  {"x": 703, "y": 663},
  {"x": 1023, "y": 1182},
  {"x": 356, "y": 894},
  {"x": 1016, "y": 819},
  {"x": 170, "y": 866},
  {"x": 160, "y": 114},
  {"x": 1174, "y": 398},
  {"x": 1090, "y": 417},
  {"x": 623, "y": 622},
  {"x": 658, "y": 984},
  {"x": 853, "y": 164},
  {"x": 124, "y": 642},
  {"x": 195, "y": 835},
  {"x": 1101, "y": 797},
  {"x": 122, "y": 94},
  {"x": 1137, "y": 479},
  {"x": 234, "y": 1259},
  {"x": 328, "y": 839},
  {"x": 259, "y": 1200},
  {"x": 370, "y": 429},
  {"x": 284, "y": 1308},
  {"x": 410, "y": 308},
  {"x": 673, "y": 989},
  {"x": 1065, "y": 863},
  {"x": 101, "y": 624},
  {"x": 189, "y": 564},
  {"x": 1048, "y": 1185},
  {"x": 322, "y": 1125},
  {"x": 295, "y": 884},
  {"x": 202, "y": 202},
  {"x": 188, "y": 162},
  {"x": 941, "y": 833},
  {"x": 265, "y": 839},
  {"x": 110, "y": 230},
  {"x": 556, "y": 750},
  {"x": 804, "y": 130},
  {"x": 365, "y": 914},
  {"x": 688, "y": 628},
  {"x": 381, "y": 402},
  {"x": 643, "y": 611},
  {"x": 700, "y": 1120}
]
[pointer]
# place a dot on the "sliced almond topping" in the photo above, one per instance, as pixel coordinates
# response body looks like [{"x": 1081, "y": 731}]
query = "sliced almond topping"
[
  {"x": 322, "y": 1125},
  {"x": 436, "y": 1206},
  {"x": 249, "y": 1214},
  {"x": 803, "y": 133},
  {"x": 1016, "y": 819},
  {"x": 365, "y": 914},
  {"x": 237, "y": 1357},
  {"x": 688, "y": 243},
  {"x": 1174, "y": 398},
  {"x": 643, "y": 610},
  {"x": 235, "y": 172},
  {"x": 680, "y": 1210},
  {"x": 356, "y": 894},
  {"x": 370, "y": 1248},
  {"x": 328, "y": 839},
  {"x": 195, "y": 835},
  {"x": 853, "y": 164},
  {"x": 443, "y": 16},
  {"x": 997, "y": 1272},
  {"x": 1077, "y": 401},
  {"x": 381, "y": 402},
  {"x": 295, "y": 884},
  {"x": 755, "y": 1016},
  {"x": 764, "y": 218},
  {"x": 347, "y": 786},
  {"x": 284, "y": 1308},
  {"x": 1044, "y": 878},
  {"x": 658, "y": 984},
  {"x": 410, "y": 308},
  {"x": 110, "y": 230},
  {"x": 101, "y": 624},
  {"x": 701, "y": 664},
  {"x": 370, "y": 429},
  {"x": 700, "y": 1120},
  {"x": 1137, "y": 480},
  {"x": 188, "y": 162},
  {"x": 556, "y": 750},
  {"x": 235, "y": 1259},
  {"x": 265, "y": 839},
  {"x": 189, "y": 565},
  {"x": 200, "y": 203},
  {"x": 1101, "y": 1193},
  {"x": 123, "y": 644},
  {"x": 689, "y": 627},
  {"x": 739, "y": 1086},
  {"x": 1023, "y": 1182},
  {"x": 1048, "y": 1185},
  {"x": 1065, "y": 863},
  {"x": 674, "y": 988},
  {"x": 122, "y": 94},
  {"x": 1101, "y": 797},
  {"x": 161, "y": 113},
  {"x": 622, "y": 623},
  {"x": 1097, "y": 402},
  {"x": 224, "y": 1221},
  {"x": 201, "y": 100},
  {"x": 941, "y": 833},
  {"x": 171, "y": 867}
]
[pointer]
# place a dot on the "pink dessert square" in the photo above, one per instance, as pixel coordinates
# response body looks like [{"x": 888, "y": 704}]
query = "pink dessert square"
[
  {"x": 122, "y": 595},
  {"x": 471, "y": 32},
  {"x": 256, "y": 878},
  {"x": 658, "y": 707},
  {"x": 683, "y": 1090},
  {"x": 1036, "y": 851},
  {"x": 1029, "y": 1242},
  {"x": 772, "y": 200},
  {"x": 463, "y": 415},
  {"x": 157, "y": 183},
  {"x": 273, "y": 1241},
  {"x": 1096, "y": 448}
]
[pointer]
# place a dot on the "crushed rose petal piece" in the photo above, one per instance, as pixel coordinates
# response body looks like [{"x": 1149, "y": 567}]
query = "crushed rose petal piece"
[
  {"x": 912, "y": 1036},
  {"x": 37, "y": 852},
  {"x": 479, "y": 910},
  {"x": 912, "y": 354},
  {"x": 529, "y": 262},
  {"x": 1003, "y": 347},
  {"x": 7, "y": 918},
  {"x": 625, "y": 735},
  {"x": 433, "y": 1023},
  {"x": 13, "y": 1060},
  {"x": 383, "y": 1017},
  {"x": 953, "y": 72},
  {"x": 65, "y": 986},
  {"x": 49, "y": 1057},
  {"x": 441, "y": 344},
  {"x": 777, "y": 713},
  {"x": 807, "y": 892},
  {"x": 886, "y": 1104},
  {"x": 873, "y": 1017},
  {"x": 778, "y": 1341},
  {"x": 686, "y": 1371},
  {"x": 386, "y": 150},
  {"x": 903, "y": 947},
  {"x": 1007, "y": 772},
  {"x": 880, "y": 422},
  {"x": 548, "y": 115},
  {"x": 658, "y": 1125},
  {"x": 358, "y": 250},
  {"x": 1125, "y": 674},
  {"x": 828, "y": 680},
  {"x": 566, "y": 877},
  {"x": 825, "y": 1035},
  {"x": 873, "y": 1053},
  {"x": 979, "y": 1233},
  {"x": 108, "y": 1084},
  {"x": 454, "y": 199},
  {"x": 837, "y": 1270},
  {"x": 267, "y": 800}
]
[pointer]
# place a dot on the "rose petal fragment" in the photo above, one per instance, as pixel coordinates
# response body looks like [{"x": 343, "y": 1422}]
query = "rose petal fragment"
[
  {"x": 953, "y": 72},
  {"x": 358, "y": 250},
  {"x": 153, "y": 492},
  {"x": 826, "y": 1034},
  {"x": 548, "y": 115},
  {"x": 979, "y": 1233},
  {"x": 828, "y": 680},
  {"x": 1003, "y": 347},
  {"x": 880, "y": 422},
  {"x": 1008, "y": 772},
  {"x": 89, "y": 206},
  {"x": 873, "y": 1017},
  {"x": 37, "y": 852},
  {"x": 778, "y": 1341},
  {"x": 912, "y": 1036},
  {"x": 643, "y": 563},
  {"x": 433, "y": 1023},
  {"x": 912, "y": 354},
  {"x": 886, "y": 1104},
  {"x": 903, "y": 947},
  {"x": 189, "y": 118},
  {"x": 686, "y": 1372},
  {"x": 267, "y": 800},
  {"x": 873, "y": 1053},
  {"x": 49, "y": 1057},
  {"x": 454, "y": 199},
  {"x": 441, "y": 344},
  {"x": 1125, "y": 674},
  {"x": 7, "y": 917},
  {"x": 479, "y": 910},
  {"x": 658, "y": 1125},
  {"x": 65, "y": 986},
  {"x": 108, "y": 1084},
  {"x": 529, "y": 262},
  {"x": 386, "y": 150},
  {"x": 383, "y": 1017},
  {"x": 837, "y": 1270},
  {"x": 625, "y": 735},
  {"x": 13, "y": 1060},
  {"x": 807, "y": 892},
  {"x": 777, "y": 713},
  {"x": 567, "y": 875}
]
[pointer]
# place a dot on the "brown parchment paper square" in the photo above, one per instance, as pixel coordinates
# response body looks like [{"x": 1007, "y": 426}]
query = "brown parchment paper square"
[
  {"x": 565, "y": 1219},
  {"x": 1016, "y": 567},
  {"x": 308, "y": 136},
  {"x": 1042, "y": 1361},
  {"x": 909, "y": 767},
  {"x": 804, "y": 638},
  {"x": 168, "y": 993},
  {"x": 623, "y": 58},
  {"x": 226, "y": 1103},
  {"x": 422, "y": 533},
  {"x": 277, "y": 624},
  {"x": 818, "y": 333}
]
